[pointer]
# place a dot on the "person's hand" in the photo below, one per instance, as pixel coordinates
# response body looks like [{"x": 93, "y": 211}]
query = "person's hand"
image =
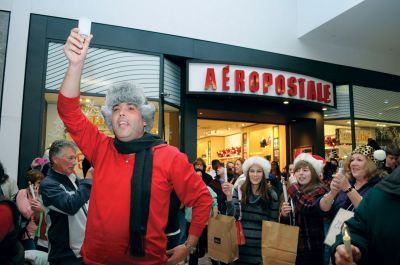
[
  {"x": 227, "y": 188},
  {"x": 177, "y": 254},
  {"x": 292, "y": 179},
  {"x": 36, "y": 206},
  {"x": 335, "y": 185},
  {"x": 76, "y": 47},
  {"x": 89, "y": 173},
  {"x": 35, "y": 163},
  {"x": 285, "y": 209},
  {"x": 341, "y": 257}
]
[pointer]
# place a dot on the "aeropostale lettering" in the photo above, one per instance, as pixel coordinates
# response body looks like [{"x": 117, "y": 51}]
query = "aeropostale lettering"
[{"x": 260, "y": 82}]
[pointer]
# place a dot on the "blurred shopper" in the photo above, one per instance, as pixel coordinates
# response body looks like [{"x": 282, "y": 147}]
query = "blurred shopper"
[
  {"x": 200, "y": 164},
  {"x": 216, "y": 185},
  {"x": 65, "y": 199},
  {"x": 30, "y": 207},
  {"x": 11, "y": 249},
  {"x": 392, "y": 157},
  {"x": 8, "y": 186}
]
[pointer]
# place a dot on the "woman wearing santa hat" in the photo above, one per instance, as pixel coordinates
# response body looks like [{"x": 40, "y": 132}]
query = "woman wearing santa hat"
[{"x": 305, "y": 192}]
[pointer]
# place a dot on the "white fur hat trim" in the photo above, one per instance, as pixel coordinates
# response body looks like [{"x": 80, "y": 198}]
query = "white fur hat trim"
[
  {"x": 379, "y": 155},
  {"x": 262, "y": 162},
  {"x": 318, "y": 165}
]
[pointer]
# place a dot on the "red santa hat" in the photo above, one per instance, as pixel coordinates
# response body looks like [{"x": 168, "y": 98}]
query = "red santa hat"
[{"x": 315, "y": 161}]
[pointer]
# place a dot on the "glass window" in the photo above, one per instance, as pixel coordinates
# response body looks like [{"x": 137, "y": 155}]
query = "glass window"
[
  {"x": 91, "y": 107},
  {"x": 172, "y": 125},
  {"x": 338, "y": 138},
  {"x": 4, "y": 20}
]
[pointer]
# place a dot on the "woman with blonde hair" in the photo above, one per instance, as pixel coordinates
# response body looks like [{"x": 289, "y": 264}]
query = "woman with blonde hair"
[{"x": 360, "y": 175}]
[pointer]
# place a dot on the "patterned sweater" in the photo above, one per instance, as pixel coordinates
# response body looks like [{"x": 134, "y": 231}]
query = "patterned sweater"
[{"x": 252, "y": 215}]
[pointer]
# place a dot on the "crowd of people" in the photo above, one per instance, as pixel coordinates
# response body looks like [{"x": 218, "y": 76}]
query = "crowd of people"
[{"x": 143, "y": 202}]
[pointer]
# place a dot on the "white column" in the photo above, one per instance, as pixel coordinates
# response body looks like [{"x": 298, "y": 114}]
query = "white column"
[{"x": 14, "y": 75}]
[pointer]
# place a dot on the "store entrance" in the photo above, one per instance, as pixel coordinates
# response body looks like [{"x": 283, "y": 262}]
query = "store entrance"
[{"x": 229, "y": 140}]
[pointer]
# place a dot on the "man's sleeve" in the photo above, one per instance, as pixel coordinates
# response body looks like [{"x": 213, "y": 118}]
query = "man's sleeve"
[
  {"x": 56, "y": 198},
  {"x": 84, "y": 133},
  {"x": 192, "y": 191}
]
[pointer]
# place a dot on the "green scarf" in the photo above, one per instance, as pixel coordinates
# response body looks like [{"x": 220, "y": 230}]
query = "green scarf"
[{"x": 140, "y": 187}]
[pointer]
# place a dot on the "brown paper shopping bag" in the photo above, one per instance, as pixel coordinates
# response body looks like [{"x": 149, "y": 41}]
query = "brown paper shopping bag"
[
  {"x": 222, "y": 241},
  {"x": 279, "y": 243}
]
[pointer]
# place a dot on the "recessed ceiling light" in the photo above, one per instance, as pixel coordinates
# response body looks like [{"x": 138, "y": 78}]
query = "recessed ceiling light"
[
  {"x": 324, "y": 108},
  {"x": 201, "y": 113},
  {"x": 348, "y": 122},
  {"x": 386, "y": 101},
  {"x": 286, "y": 102},
  {"x": 380, "y": 113},
  {"x": 242, "y": 124},
  {"x": 325, "y": 115},
  {"x": 87, "y": 100}
]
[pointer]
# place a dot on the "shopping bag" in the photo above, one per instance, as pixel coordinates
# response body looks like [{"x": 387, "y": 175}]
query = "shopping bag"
[
  {"x": 222, "y": 241},
  {"x": 336, "y": 225},
  {"x": 239, "y": 233},
  {"x": 279, "y": 243}
]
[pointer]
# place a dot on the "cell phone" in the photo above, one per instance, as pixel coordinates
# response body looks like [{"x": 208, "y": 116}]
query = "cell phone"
[{"x": 84, "y": 25}]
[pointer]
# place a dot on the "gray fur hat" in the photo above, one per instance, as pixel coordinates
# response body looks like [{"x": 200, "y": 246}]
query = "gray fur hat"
[{"x": 125, "y": 92}]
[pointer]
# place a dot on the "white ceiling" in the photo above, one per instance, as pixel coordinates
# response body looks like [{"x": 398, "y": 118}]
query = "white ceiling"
[{"x": 372, "y": 25}]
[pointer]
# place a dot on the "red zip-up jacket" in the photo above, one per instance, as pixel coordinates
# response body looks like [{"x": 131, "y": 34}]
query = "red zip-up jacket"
[{"x": 107, "y": 228}]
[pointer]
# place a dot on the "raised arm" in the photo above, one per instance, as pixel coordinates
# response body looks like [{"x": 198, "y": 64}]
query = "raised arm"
[{"x": 75, "y": 50}]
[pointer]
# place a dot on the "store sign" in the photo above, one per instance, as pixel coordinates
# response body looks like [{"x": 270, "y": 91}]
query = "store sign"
[{"x": 244, "y": 80}]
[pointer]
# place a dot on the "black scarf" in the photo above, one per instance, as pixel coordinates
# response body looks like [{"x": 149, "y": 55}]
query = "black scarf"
[{"x": 140, "y": 187}]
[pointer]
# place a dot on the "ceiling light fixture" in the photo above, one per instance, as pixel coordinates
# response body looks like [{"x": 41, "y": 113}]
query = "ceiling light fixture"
[
  {"x": 386, "y": 101},
  {"x": 324, "y": 108},
  {"x": 286, "y": 102}
]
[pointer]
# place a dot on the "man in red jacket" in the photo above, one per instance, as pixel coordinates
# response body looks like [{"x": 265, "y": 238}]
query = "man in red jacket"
[{"x": 134, "y": 174}]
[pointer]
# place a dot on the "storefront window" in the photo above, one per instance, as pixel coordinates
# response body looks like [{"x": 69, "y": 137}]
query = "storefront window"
[
  {"x": 172, "y": 125},
  {"x": 91, "y": 107},
  {"x": 4, "y": 20},
  {"x": 230, "y": 140},
  {"x": 376, "y": 116}
]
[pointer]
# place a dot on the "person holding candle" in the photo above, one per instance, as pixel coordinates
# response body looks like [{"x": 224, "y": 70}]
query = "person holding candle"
[
  {"x": 258, "y": 202},
  {"x": 30, "y": 207},
  {"x": 305, "y": 191},
  {"x": 374, "y": 229}
]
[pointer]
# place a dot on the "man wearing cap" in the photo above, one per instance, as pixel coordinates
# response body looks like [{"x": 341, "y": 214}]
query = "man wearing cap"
[{"x": 135, "y": 174}]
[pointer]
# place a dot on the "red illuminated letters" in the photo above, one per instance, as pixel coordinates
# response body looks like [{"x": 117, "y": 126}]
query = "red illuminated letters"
[{"x": 210, "y": 79}]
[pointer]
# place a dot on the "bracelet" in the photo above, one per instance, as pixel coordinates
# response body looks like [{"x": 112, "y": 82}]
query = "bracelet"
[
  {"x": 349, "y": 189},
  {"x": 325, "y": 197}
]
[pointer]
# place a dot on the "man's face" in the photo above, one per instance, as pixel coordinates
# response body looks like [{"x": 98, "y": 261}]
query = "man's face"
[
  {"x": 127, "y": 122},
  {"x": 391, "y": 161},
  {"x": 65, "y": 162}
]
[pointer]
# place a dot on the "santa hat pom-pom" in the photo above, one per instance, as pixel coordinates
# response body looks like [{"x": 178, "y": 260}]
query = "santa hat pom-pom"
[{"x": 379, "y": 155}]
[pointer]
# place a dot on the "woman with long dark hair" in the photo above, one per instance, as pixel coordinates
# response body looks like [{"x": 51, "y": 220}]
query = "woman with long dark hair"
[{"x": 251, "y": 203}]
